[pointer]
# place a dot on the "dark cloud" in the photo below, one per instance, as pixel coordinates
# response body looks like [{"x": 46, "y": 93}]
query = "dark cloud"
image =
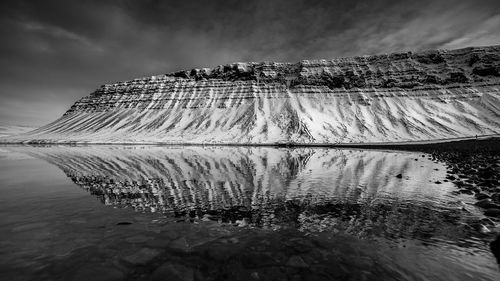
[{"x": 54, "y": 52}]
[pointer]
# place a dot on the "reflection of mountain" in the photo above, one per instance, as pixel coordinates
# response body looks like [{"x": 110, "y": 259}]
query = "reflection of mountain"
[{"x": 317, "y": 188}]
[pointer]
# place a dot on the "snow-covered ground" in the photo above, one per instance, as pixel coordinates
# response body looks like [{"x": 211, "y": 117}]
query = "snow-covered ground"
[
  {"x": 403, "y": 97},
  {"x": 289, "y": 116}
]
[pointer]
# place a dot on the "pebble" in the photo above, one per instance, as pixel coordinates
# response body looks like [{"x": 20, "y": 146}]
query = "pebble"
[
  {"x": 466, "y": 191},
  {"x": 157, "y": 243},
  {"x": 488, "y": 221},
  {"x": 496, "y": 197},
  {"x": 207, "y": 217},
  {"x": 481, "y": 196},
  {"x": 495, "y": 248},
  {"x": 487, "y": 204},
  {"x": 138, "y": 239},
  {"x": 481, "y": 228},
  {"x": 142, "y": 257},
  {"x": 296, "y": 261},
  {"x": 242, "y": 223},
  {"x": 97, "y": 272},
  {"x": 29, "y": 226},
  {"x": 179, "y": 244},
  {"x": 173, "y": 272},
  {"x": 78, "y": 221},
  {"x": 253, "y": 259},
  {"x": 493, "y": 212}
]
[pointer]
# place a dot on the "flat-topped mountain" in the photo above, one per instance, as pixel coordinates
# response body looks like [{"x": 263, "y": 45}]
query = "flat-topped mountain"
[{"x": 383, "y": 98}]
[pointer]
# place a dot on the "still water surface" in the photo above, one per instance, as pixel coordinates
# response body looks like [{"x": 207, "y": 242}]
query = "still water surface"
[{"x": 234, "y": 213}]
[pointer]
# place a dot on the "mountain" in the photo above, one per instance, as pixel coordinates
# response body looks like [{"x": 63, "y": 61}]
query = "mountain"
[{"x": 383, "y": 98}]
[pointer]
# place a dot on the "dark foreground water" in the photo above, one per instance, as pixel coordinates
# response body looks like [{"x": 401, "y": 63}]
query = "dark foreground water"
[{"x": 232, "y": 213}]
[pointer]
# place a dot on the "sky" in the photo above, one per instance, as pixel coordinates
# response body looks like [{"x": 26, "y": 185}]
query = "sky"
[{"x": 55, "y": 52}]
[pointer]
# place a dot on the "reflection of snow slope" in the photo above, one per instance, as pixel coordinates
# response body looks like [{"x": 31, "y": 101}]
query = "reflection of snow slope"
[
  {"x": 386, "y": 98},
  {"x": 216, "y": 178}
]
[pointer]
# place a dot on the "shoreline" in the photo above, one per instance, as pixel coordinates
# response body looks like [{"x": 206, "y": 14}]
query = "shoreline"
[{"x": 404, "y": 145}]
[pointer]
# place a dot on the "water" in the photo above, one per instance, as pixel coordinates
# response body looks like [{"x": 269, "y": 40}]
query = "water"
[{"x": 234, "y": 213}]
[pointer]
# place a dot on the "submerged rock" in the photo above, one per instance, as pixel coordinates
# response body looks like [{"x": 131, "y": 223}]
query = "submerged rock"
[
  {"x": 495, "y": 248},
  {"x": 481, "y": 196},
  {"x": 97, "y": 272},
  {"x": 180, "y": 244},
  {"x": 493, "y": 212},
  {"x": 173, "y": 272},
  {"x": 487, "y": 204},
  {"x": 297, "y": 261},
  {"x": 142, "y": 257}
]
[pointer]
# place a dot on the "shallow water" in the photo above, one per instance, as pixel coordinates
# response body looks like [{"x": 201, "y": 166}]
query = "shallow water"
[{"x": 238, "y": 213}]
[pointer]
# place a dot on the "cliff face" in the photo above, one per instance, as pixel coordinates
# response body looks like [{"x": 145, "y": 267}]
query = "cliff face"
[{"x": 383, "y": 98}]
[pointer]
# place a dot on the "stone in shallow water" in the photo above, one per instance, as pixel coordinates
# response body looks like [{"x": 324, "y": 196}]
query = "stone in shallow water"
[
  {"x": 297, "y": 261},
  {"x": 142, "y": 257},
  {"x": 180, "y": 244},
  {"x": 157, "y": 243},
  {"x": 496, "y": 197},
  {"x": 270, "y": 273},
  {"x": 493, "y": 212},
  {"x": 97, "y": 272},
  {"x": 29, "y": 226},
  {"x": 466, "y": 191},
  {"x": 173, "y": 272},
  {"x": 495, "y": 248},
  {"x": 482, "y": 229},
  {"x": 481, "y": 196},
  {"x": 487, "y": 204},
  {"x": 138, "y": 239},
  {"x": 252, "y": 259}
]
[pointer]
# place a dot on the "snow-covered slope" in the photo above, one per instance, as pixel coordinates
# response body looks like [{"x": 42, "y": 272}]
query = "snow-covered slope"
[{"x": 385, "y": 98}]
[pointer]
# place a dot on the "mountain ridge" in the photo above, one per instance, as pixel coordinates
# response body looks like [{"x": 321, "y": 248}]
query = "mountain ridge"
[{"x": 383, "y": 98}]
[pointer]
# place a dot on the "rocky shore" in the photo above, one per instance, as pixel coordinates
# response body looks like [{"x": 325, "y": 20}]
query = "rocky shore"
[{"x": 474, "y": 167}]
